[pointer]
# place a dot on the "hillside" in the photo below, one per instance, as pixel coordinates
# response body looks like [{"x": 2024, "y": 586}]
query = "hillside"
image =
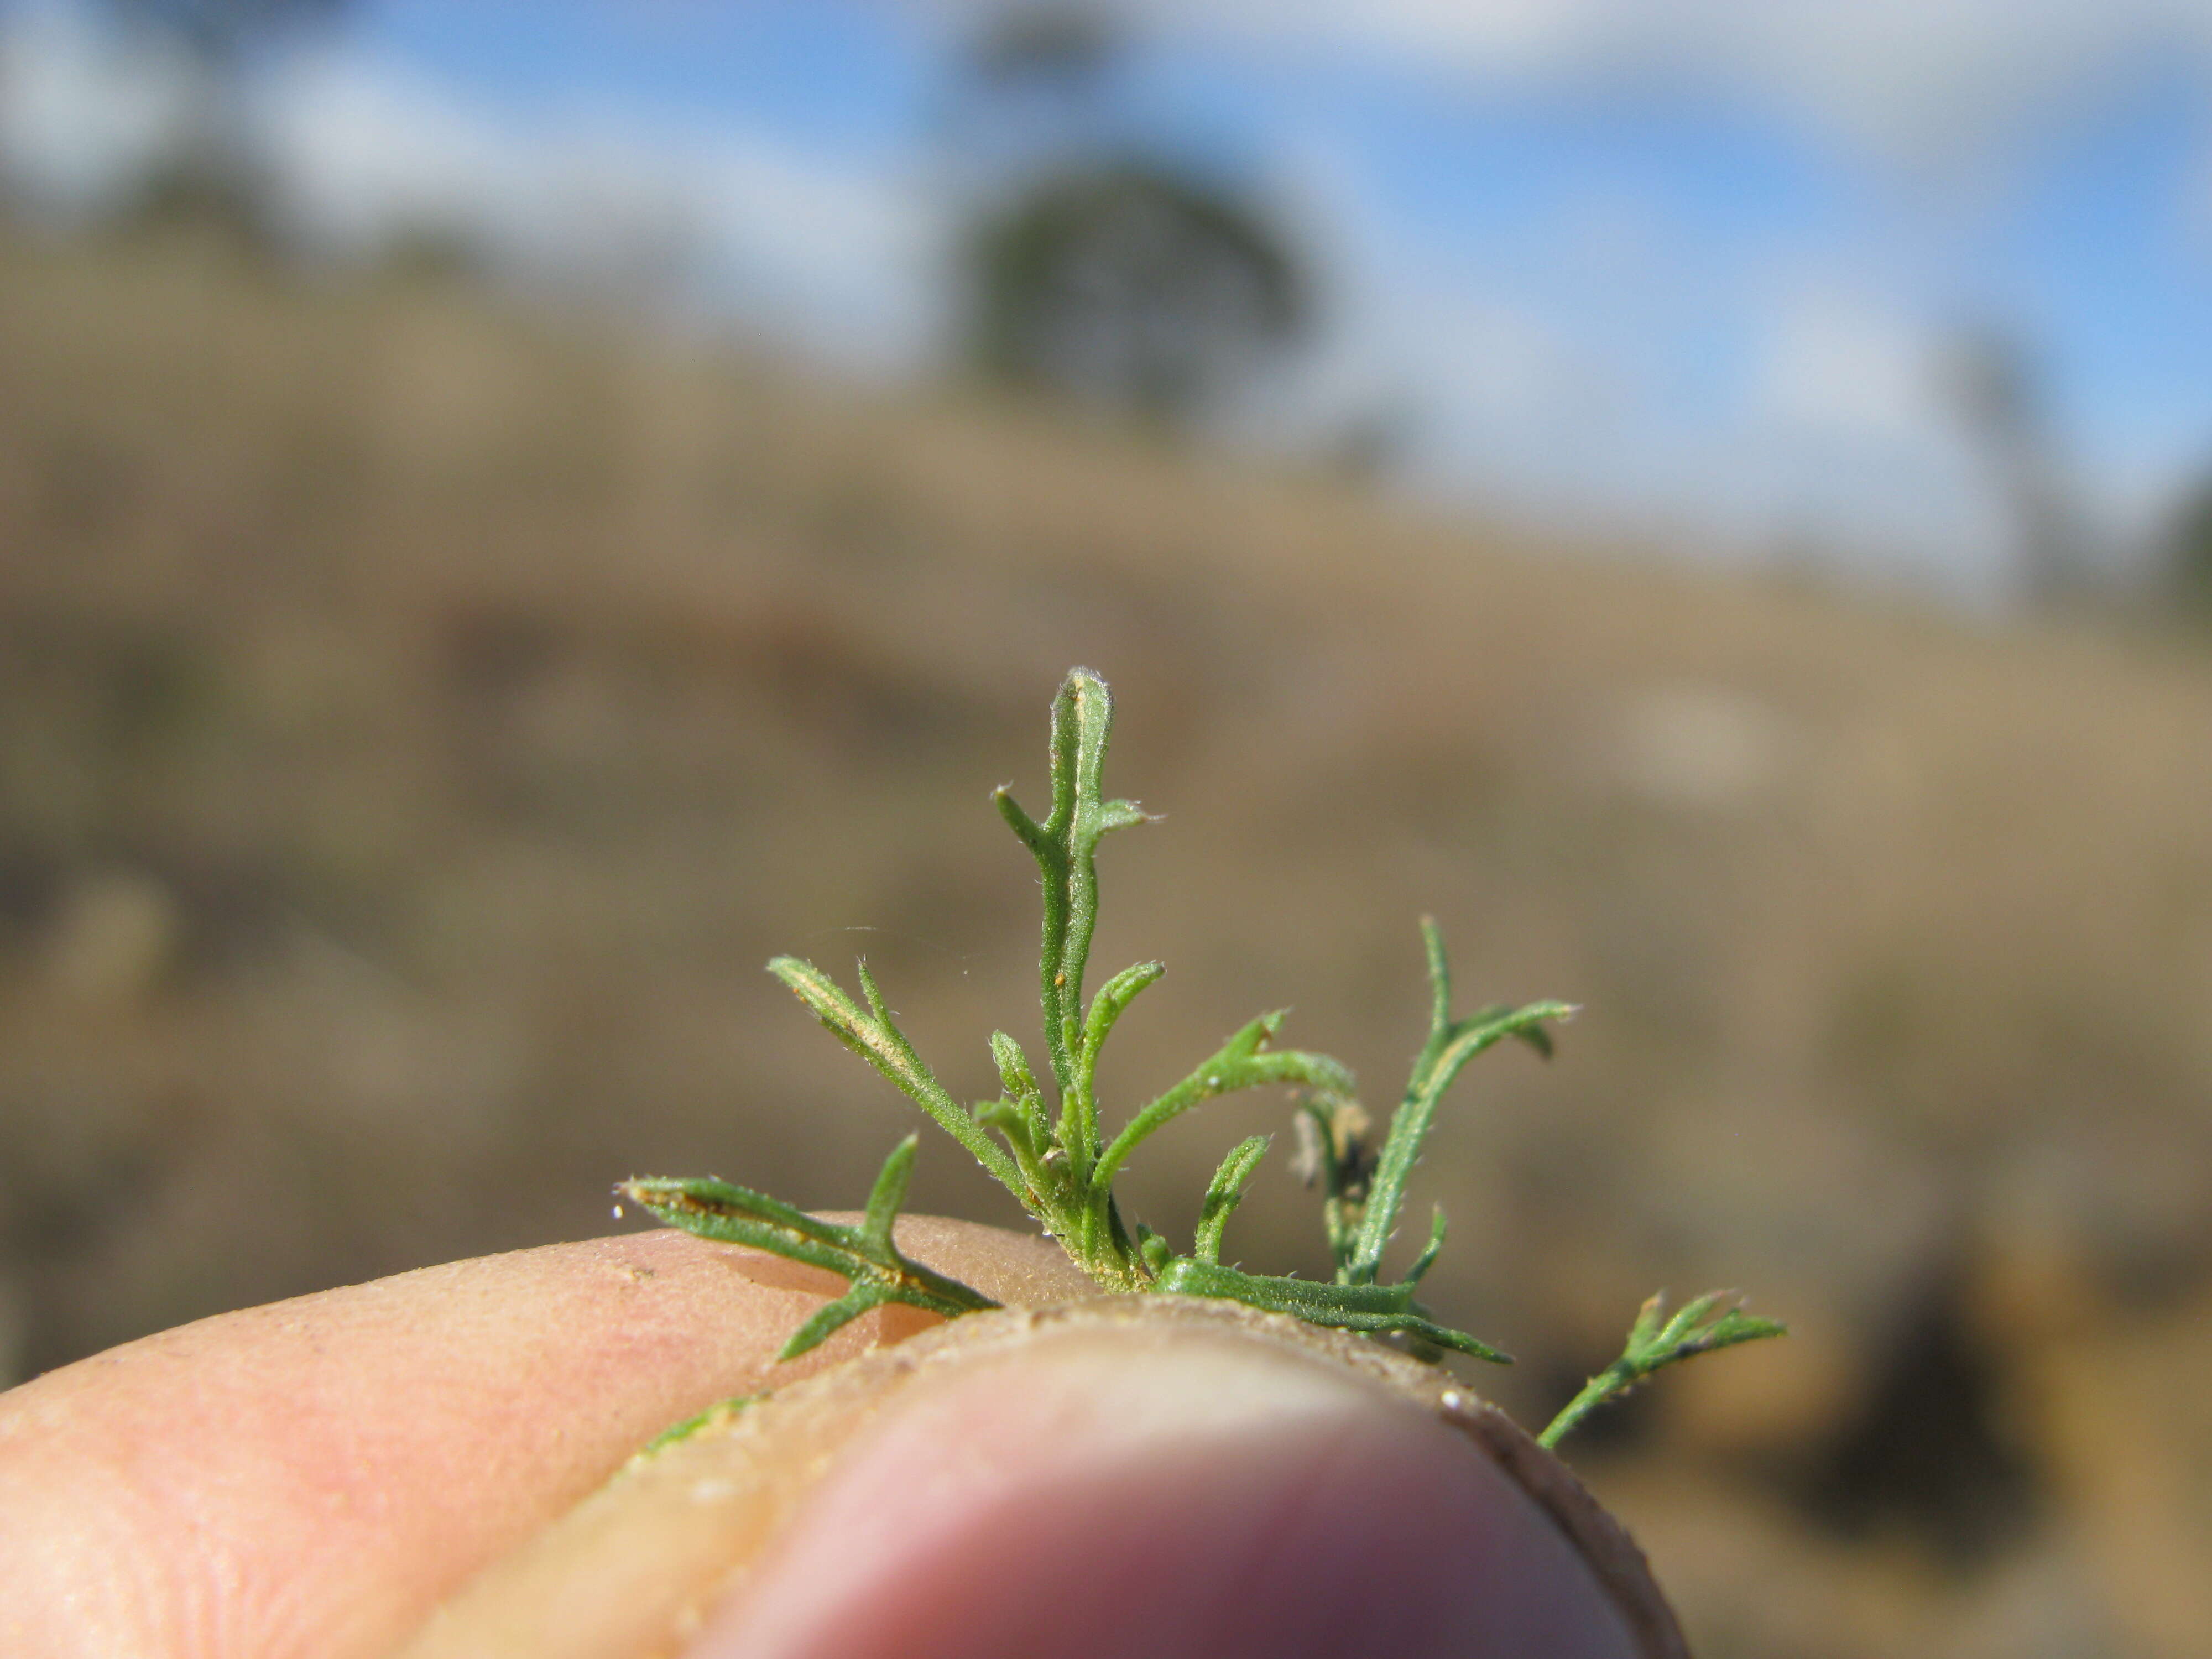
[{"x": 419, "y": 719}]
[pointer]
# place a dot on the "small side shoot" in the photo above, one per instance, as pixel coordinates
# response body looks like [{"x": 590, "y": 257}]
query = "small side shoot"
[{"x": 1657, "y": 1341}]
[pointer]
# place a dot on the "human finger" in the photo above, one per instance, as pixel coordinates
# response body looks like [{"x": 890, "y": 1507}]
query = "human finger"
[
  {"x": 306, "y": 1481},
  {"x": 1128, "y": 1475}
]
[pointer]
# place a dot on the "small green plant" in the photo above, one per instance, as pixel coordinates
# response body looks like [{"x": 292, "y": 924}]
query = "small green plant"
[{"x": 1053, "y": 1156}]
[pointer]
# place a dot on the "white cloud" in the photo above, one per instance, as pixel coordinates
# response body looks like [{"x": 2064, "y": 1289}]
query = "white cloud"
[
  {"x": 1821, "y": 423},
  {"x": 852, "y": 254},
  {"x": 79, "y": 117},
  {"x": 1406, "y": 334},
  {"x": 1910, "y": 79},
  {"x": 1847, "y": 438},
  {"x": 835, "y": 258},
  {"x": 832, "y": 257},
  {"x": 1845, "y": 364},
  {"x": 366, "y": 151}
]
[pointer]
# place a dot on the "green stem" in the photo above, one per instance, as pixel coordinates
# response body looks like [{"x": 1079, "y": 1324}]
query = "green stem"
[
  {"x": 1657, "y": 1341},
  {"x": 1450, "y": 1045}
]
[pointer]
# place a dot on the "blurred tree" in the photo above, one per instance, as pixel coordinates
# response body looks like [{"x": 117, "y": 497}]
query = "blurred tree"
[
  {"x": 1034, "y": 89},
  {"x": 2188, "y": 562},
  {"x": 1995, "y": 386},
  {"x": 1092, "y": 266},
  {"x": 213, "y": 169},
  {"x": 220, "y": 33},
  {"x": 1129, "y": 285},
  {"x": 1066, "y": 47}
]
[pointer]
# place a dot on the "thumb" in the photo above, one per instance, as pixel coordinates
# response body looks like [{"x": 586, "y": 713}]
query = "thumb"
[{"x": 1134, "y": 1476}]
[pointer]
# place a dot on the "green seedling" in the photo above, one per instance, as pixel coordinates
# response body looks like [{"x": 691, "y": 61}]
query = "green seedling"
[{"x": 1050, "y": 1150}]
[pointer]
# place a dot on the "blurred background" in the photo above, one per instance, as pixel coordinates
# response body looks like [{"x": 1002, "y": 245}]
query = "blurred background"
[{"x": 513, "y": 514}]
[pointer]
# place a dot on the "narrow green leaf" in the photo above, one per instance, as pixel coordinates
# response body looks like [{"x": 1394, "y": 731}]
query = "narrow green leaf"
[
  {"x": 831, "y": 1317},
  {"x": 1649, "y": 1318},
  {"x": 714, "y": 1417},
  {"x": 1014, "y": 1074},
  {"x": 877, "y": 1038},
  {"x": 1030, "y": 831},
  {"x": 1375, "y": 1309},
  {"x": 1242, "y": 1063},
  {"x": 1427, "y": 1259},
  {"x": 1009, "y": 1119},
  {"x": 1450, "y": 1045},
  {"x": 1656, "y": 1341},
  {"x": 1064, "y": 847},
  {"x": 1116, "y": 994},
  {"x": 828, "y": 1003},
  {"x": 866, "y": 1255},
  {"x": 888, "y": 1195},
  {"x": 1440, "y": 967},
  {"x": 1225, "y": 1192},
  {"x": 730, "y": 1214}
]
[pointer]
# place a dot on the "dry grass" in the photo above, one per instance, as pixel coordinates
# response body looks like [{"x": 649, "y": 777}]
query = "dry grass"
[{"x": 419, "y": 721}]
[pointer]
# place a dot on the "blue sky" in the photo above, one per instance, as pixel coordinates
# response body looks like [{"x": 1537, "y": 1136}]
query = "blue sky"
[
  {"x": 840, "y": 79},
  {"x": 1686, "y": 267}
]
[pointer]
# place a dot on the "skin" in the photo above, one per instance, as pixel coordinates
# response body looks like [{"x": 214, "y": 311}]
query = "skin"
[{"x": 317, "y": 1477}]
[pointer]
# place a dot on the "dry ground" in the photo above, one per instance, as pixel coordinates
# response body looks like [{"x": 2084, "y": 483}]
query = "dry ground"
[{"x": 419, "y": 720}]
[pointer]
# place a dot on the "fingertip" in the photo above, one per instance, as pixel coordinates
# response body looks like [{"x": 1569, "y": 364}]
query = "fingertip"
[
  {"x": 1103, "y": 1493},
  {"x": 1129, "y": 1476}
]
